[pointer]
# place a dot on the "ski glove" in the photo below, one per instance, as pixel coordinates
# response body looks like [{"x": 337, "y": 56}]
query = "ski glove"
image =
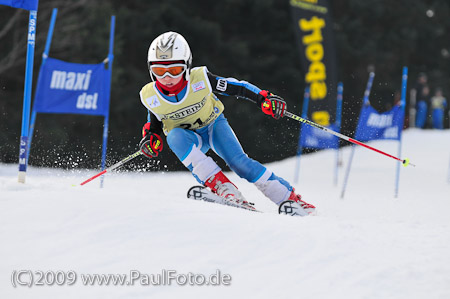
[
  {"x": 271, "y": 104},
  {"x": 151, "y": 144}
]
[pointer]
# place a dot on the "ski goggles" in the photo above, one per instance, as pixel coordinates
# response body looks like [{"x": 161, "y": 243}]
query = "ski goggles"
[{"x": 172, "y": 70}]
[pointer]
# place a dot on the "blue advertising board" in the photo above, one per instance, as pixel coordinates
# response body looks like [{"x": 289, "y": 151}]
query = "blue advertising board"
[
  {"x": 73, "y": 88},
  {"x": 373, "y": 125}
]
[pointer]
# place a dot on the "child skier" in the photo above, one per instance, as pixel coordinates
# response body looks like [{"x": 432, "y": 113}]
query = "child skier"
[{"x": 184, "y": 107}]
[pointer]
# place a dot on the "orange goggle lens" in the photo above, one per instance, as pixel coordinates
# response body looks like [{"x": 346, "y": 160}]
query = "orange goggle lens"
[{"x": 174, "y": 70}]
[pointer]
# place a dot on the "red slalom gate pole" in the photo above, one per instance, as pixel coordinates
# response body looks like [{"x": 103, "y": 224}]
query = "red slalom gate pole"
[
  {"x": 118, "y": 164},
  {"x": 405, "y": 161}
]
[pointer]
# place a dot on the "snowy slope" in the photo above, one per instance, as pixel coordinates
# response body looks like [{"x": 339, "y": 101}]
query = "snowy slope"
[{"x": 367, "y": 245}]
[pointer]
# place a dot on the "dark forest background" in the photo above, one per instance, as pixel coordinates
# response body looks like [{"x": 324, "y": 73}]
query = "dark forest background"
[{"x": 250, "y": 40}]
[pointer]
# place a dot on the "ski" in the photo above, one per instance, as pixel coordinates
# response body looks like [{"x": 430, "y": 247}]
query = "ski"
[
  {"x": 292, "y": 208},
  {"x": 202, "y": 193},
  {"x": 288, "y": 207}
]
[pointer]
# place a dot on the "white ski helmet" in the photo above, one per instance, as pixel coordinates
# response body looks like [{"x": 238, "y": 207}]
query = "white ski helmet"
[{"x": 170, "y": 46}]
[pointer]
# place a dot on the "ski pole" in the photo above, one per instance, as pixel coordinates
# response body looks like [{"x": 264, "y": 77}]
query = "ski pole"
[
  {"x": 118, "y": 164},
  {"x": 405, "y": 161}
]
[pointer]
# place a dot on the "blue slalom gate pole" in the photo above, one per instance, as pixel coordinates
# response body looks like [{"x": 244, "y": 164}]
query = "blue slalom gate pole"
[
  {"x": 106, "y": 121},
  {"x": 365, "y": 102},
  {"x": 403, "y": 104},
  {"x": 338, "y": 124},
  {"x": 299, "y": 147},
  {"x": 23, "y": 156},
  {"x": 44, "y": 58}
]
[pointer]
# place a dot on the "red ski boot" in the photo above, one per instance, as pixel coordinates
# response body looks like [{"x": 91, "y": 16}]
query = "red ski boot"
[
  {"x": 309, "y": 208},
  {"x": 222, "y": 186}
]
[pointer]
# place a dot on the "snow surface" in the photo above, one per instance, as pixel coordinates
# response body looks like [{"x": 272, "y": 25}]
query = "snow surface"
[{"x": 367, "y": 245}]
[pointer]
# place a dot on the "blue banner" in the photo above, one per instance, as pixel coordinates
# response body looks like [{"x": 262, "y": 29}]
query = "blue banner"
[
  {"x": 315, "y": 138},
  {"x": 25, "y": 4},
  {"x": 73, "y": 88},
  {"x": 373, "y": 125}
]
